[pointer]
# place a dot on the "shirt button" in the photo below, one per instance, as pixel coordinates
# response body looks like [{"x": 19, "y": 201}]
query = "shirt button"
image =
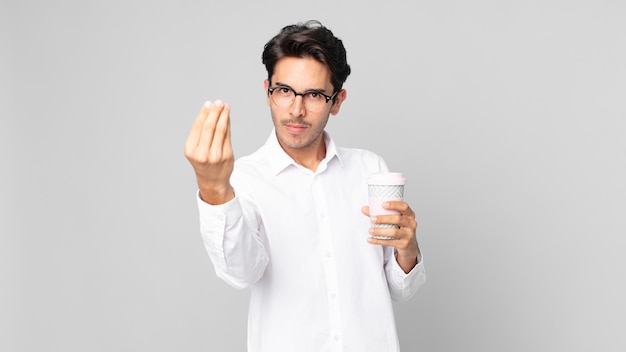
[
  {"x": 328, "y": 255},
  {"x": 333, "y": 296},
  {"x": 337, "y": 337}
]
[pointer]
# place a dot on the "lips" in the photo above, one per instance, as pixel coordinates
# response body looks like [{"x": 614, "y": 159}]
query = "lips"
[{"x": 295, "y": 129}]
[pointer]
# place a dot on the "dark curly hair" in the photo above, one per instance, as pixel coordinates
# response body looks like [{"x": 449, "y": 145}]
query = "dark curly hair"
[{"x": 310, "y": 39}]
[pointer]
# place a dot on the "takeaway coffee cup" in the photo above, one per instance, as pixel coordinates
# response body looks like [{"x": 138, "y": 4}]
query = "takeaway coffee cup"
[{"x": 383, "y": 187}]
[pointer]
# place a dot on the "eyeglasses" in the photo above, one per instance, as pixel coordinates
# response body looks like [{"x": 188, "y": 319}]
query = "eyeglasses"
[{"x": 314, "y": 100}]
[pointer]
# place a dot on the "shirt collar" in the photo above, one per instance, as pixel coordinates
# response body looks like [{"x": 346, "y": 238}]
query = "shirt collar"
[{"x": 279, "y": 160}]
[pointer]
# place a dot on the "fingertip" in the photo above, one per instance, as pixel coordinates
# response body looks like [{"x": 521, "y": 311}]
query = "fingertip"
[{"x": 207, "y": 104}]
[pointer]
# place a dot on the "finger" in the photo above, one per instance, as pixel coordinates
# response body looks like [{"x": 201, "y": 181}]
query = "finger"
[
  {"x": 365, "y": 210},
  {"x": 385, "y": 233},
  {"x": 196, "y": 129},
  {"x": 208, "y": 128},
  {"x": 387, "y": 219},
  {"x": 402, "y": 222},
  {"x": 400, "y": 239},
  {"x": 221, "y": 130},
  {"x": 382, "y": 241},
  {"x": 227, "y": 146},
  {"x": 401, "y": 206}
]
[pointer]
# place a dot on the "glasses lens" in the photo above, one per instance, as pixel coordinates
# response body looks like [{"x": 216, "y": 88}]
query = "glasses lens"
[
  {"x": 314, "y": 102},
  {"x": 283, "y": 97}
]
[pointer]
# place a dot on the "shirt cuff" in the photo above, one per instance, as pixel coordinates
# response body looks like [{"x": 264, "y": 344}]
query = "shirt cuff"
[
  {"x": 420, "y": 263},
  {"x": 230, "y": 210},
  {"x": 403, "y": 279}
]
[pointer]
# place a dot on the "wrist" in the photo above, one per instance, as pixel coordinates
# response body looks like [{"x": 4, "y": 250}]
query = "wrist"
[
  {"x": 407, "y": 260},
  {"x": 216, "y": 194},
  {"x": 408, "y": 253}
]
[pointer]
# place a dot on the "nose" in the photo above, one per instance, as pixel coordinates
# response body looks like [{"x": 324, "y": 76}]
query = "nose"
[{"x": 297, "y": 108}]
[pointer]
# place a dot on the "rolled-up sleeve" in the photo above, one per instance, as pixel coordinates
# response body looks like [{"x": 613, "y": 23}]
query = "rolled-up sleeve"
[
  {"x": 402, "y": 286},
  {"x": 233, "y": 245}
]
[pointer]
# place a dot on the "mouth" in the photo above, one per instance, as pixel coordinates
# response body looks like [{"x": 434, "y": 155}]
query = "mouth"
[{"x": 294, "y": 128}]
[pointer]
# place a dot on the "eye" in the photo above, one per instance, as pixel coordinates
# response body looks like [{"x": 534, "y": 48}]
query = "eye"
[
  {"x": 314, "y": 95},
  {"x": 284, "y": 90}
]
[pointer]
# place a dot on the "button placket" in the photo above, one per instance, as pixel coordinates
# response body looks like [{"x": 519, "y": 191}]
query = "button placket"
[{"x": 330, "y": 270}]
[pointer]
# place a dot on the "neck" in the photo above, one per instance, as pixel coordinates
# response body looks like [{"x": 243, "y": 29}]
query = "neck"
[{"x": 310, "y": 156}]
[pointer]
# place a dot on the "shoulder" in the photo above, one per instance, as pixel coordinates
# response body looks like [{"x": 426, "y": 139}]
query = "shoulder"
[
  {"x": 361, "y": 157},
  {"x": 358, "y": 154}
]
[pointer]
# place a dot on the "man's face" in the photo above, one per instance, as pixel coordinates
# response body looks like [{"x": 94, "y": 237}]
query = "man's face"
[{"x": 297, "y": 128}]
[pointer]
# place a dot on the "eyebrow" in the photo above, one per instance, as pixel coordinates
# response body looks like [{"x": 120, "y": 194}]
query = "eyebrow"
[{"x": 322, "y": 90}]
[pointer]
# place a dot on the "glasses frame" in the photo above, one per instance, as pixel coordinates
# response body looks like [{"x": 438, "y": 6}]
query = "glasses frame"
[{"x": 271, "y": 90}]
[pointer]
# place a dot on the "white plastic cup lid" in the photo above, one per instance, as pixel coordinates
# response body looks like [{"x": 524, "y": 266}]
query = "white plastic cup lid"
[{"x": 386, "y": 178}]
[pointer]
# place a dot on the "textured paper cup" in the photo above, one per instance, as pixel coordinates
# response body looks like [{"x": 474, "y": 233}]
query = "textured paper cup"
[{"x": 383, "y": 187}]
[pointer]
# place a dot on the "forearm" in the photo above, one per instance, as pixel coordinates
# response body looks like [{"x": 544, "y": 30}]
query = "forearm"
[{"x": 234, "y": 246}]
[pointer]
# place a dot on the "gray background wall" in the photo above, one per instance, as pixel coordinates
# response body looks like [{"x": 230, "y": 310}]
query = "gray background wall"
[{"x": 508, "y": 118}]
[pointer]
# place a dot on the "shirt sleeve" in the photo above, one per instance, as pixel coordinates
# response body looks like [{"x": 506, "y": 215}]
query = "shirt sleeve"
[
  {"x": 402, "y": 286},
  {"x": 234, "y": 247}
]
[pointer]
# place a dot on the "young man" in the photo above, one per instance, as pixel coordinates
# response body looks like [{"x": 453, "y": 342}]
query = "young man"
[{"x": 289, "y": 221}]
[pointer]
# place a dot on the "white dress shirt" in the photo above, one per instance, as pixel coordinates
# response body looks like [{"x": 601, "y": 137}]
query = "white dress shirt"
[{"x": 299, "y": 240}]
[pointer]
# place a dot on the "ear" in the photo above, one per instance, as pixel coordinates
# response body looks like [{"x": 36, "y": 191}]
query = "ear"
[
  {"x": 266, "y": 85},
  {"x": 339, "y": 99}
]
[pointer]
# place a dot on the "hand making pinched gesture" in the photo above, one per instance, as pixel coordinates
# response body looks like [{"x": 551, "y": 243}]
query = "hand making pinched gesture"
[{"x": 209, "y": 150}]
